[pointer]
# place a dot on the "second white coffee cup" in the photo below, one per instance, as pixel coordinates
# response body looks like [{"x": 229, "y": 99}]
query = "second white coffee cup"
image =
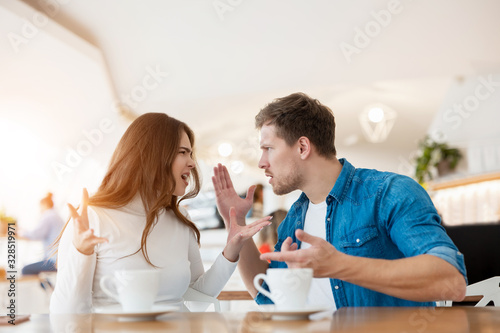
[
  {"x": 135, "y": 290},
  {"x": 288, "y": 287}
]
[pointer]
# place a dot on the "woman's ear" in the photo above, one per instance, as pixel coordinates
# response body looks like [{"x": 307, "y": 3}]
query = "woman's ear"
[{"x": 304, "y": 146}]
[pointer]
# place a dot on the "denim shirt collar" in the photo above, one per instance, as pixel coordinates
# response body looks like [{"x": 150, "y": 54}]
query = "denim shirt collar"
[{"x": 339, "y": 190}]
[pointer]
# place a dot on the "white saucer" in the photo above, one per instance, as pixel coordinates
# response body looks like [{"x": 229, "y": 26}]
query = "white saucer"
[
  {"x": 117, "y": 311},
  {"x": 299, "y": 314}
]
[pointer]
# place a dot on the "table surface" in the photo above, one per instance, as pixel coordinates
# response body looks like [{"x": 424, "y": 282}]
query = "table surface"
[{"x": 373, "y": 320}]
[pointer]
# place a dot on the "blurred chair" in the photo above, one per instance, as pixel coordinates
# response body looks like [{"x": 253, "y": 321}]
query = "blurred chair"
[
  {"x": 193, "y": 298},
  {"x": 479, "y": 245},
  {"x": 489, "y": 289}
]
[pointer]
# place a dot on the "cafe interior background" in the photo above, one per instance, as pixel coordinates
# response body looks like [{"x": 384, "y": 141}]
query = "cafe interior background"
[{"x": 74, "y": 74}]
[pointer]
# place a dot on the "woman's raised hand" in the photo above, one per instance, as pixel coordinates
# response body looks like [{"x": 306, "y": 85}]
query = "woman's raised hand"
[
  {"x": 84, "y": 239},
  {"x": 227, "y": 197},
  {"x": 238, "y": 234}
]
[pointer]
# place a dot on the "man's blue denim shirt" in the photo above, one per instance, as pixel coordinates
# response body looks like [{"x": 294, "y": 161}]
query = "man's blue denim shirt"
[{"x": 374, "y": 214}]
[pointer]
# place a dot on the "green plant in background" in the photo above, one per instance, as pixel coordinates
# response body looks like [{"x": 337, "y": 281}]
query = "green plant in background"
[
  {"x": 432, "y": 155},
  {"x": 5, "y": 218},
  {"x": 4, "y": 221}
]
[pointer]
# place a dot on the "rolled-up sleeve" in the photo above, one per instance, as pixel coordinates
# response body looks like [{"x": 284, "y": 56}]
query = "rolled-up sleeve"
[
  {"x": 414, "y": 224},
  {"x": 452, "y": 256}
]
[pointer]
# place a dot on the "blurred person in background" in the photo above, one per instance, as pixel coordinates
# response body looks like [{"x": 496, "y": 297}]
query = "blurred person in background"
[
  {"x": 269, "y": 236},
  {"x": 47, "y": 230}
]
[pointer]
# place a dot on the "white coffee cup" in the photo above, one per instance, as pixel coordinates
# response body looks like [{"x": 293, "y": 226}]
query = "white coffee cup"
[
  {"x": 289, "y": 286},
  {"x": 135, "y": 290}
]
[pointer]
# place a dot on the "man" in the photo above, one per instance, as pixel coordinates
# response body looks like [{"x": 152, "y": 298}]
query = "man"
[{"x": 372, "y": 238}]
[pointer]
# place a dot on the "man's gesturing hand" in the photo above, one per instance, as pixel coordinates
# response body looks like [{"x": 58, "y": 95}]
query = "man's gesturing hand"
[{"x": 322, "y": 257}]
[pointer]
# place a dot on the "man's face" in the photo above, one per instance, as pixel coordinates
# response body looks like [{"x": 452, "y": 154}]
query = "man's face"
[{"x": 279, "y": 161}]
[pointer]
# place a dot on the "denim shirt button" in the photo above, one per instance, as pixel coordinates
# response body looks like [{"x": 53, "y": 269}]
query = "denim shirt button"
[
  {"x": 358, "y": 240},
  {"x": 336, "y": 287},
  {"x": 328, "y": 219}
]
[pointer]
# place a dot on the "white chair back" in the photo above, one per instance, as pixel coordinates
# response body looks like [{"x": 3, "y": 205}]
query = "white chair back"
[{"x": 489, "y": 289}]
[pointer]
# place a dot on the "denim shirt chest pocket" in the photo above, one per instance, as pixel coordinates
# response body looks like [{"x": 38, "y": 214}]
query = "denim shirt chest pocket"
[{"x": 362, "y": 242}]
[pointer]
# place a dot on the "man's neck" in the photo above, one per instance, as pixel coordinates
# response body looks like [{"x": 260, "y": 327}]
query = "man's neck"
[{"x": 320, "y": 178}]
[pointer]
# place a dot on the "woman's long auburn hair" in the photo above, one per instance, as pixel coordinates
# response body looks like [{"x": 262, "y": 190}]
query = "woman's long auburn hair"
[{"x": 142, "y": 164}]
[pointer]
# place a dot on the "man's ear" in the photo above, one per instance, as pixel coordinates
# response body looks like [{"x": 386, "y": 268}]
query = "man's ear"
[{"x": 304, "y": 147}]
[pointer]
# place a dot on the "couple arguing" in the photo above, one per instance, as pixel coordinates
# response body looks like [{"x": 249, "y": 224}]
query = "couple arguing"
[{"x": 372, "y": 238}]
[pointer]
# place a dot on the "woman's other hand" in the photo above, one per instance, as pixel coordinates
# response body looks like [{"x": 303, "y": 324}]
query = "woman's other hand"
[
  {"x": 238, "y": 234},
  {"x": 84, "y": 239}
]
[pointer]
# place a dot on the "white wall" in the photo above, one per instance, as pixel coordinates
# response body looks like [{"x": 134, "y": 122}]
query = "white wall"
[
  {"x": 470, "y": 119},
  {"x": 58, "y": 125}
]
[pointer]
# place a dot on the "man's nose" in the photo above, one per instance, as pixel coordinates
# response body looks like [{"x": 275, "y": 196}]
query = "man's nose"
[{"x": 263, "y": 164}]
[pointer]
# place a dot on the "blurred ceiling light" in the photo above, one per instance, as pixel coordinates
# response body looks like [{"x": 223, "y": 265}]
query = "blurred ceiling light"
[
  {"x": 225, "y": 149},
  {"x": 376, "y": 115},
  {"x": 377, "y": 121},
  {"x": 237, "y": 166}
]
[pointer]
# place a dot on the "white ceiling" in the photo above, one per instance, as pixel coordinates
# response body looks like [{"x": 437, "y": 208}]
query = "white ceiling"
[{"x": 222, "y": 71}]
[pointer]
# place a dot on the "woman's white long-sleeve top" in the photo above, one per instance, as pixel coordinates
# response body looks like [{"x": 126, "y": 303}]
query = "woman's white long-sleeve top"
[{"x": 171, "y": 246}]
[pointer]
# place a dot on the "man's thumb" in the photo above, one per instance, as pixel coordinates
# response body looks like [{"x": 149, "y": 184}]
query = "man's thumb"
[
  {"x": 250, "y": 192},
  {"x": 305, "y": 237}
]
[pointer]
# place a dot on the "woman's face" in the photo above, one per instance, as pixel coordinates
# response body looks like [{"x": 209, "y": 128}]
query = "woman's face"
[{"x": 183, "y": 163}]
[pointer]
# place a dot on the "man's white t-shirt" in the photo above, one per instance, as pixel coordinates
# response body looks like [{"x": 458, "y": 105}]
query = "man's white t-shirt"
[{"x": 320, "y": 293}]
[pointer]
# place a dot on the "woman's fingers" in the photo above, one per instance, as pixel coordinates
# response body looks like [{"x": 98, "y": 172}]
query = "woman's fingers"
[
  {"x": 77, "y": 220},
  {"x": 72, "y": 210},
  {"x": 250, "y": 230},
  {"x": 84, "y": 238},
  {"x": 227, "y": 179},
  {"x": 224, "y": 175},
  {"x": 262, "y": 221},
  {"x": 86, "y": 241},
  {"x": 250, "y": 192},
  {"x": 94, "y": 240},
  {"x": 79, "y": 226},
  {"x": 257, "y": 225},
  {"x": 216, "y": 184},
  {"x": 85, "y": 202},
  {"x": 221, "y": 179},
  {"x": 216, "y": 179}
]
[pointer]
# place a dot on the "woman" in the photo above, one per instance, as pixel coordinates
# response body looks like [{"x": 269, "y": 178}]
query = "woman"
[{"x": 138, "y": 223}]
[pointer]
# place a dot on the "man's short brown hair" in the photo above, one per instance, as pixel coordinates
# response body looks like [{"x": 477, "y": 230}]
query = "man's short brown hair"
[{"x": 299, "y": 115}]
